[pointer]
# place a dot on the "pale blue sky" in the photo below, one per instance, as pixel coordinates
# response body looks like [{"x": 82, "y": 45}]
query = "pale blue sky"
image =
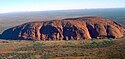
[{"x": 42, "y": 5}]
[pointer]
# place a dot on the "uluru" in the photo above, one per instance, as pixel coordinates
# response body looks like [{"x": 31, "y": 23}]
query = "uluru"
[{"x": 80, "y": 28}]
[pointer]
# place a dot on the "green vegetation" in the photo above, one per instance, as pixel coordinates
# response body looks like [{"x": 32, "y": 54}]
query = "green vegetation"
[{"x": 20, "y": 49}]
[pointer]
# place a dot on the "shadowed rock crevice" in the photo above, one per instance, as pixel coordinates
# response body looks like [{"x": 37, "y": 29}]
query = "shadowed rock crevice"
[
  {"x": 0, "y": 36},
  {"x": 69, "y": 32},
  {"x": 91, "y": 31},
  {"x": 48, "y": 32},
  {"x": 11, "y": 33}
]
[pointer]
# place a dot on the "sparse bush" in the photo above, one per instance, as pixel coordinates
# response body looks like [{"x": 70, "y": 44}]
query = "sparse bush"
[{"x": 52, "y": 49}]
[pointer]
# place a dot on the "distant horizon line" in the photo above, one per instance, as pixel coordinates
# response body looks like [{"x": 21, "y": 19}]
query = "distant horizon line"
[{"x": 57, "y": 10}]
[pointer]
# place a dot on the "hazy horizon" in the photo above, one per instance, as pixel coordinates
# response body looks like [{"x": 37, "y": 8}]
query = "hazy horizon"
[
  {"x": 60, "y": 10},
  {"x": 47, "y": 5}
]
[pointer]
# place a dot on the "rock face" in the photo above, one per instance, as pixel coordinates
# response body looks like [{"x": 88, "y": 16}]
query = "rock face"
[{"x": 67, "y": 29}]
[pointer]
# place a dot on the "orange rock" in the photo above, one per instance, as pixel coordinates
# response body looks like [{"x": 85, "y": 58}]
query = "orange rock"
[
  {"x": 67, "y": 29},
  {"x": 113, "y": 32}
]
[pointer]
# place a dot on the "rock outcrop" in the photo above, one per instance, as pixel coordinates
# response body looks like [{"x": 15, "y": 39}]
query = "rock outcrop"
[{"x": 67, "y": 29}]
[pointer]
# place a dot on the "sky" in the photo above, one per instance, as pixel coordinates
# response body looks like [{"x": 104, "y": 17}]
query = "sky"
[{"x": 44, "y": 5}]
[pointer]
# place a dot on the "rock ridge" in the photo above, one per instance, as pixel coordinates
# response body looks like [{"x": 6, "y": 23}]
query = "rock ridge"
[{"x": 67, "y": 29}]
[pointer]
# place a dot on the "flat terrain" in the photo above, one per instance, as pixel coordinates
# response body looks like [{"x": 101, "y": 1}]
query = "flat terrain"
[{"x": 82, "y": 49}]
